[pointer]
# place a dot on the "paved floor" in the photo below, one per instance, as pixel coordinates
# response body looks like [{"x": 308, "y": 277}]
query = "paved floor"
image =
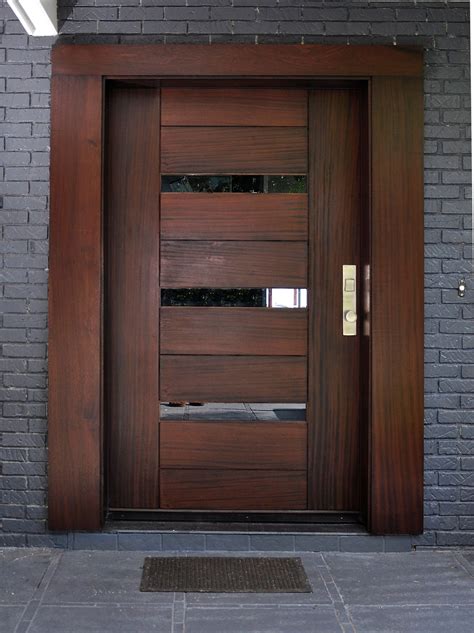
[{"x": 44, "y": 591}]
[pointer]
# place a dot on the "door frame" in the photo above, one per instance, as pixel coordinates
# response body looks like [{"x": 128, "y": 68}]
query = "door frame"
[{"x": 393, "y": 182}]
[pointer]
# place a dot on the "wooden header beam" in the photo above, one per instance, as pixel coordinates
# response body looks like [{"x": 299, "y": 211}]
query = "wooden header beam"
[{"x": 236, "y": 60}]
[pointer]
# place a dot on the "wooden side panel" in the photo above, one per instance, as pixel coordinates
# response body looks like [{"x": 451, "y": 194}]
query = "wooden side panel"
[
  {"x": 238, "y": 445},
  {"x": 246, "y": 150},
  {"x": 396, "y": 434},
  {"x": 236, "y": 60},
  {"x": 333, "y": 398},
  {"x": 234, "y": 216},
  {"x": 233, "y": 489},
  {"x": 234, "y": 106},
  {"x": 132, "y": 199},
  {"x": 257, "y": 331},
  {"x": 75, "y": 281},
  {"x": 186, "y": 264},
  {"x": 233, "y": 378}
]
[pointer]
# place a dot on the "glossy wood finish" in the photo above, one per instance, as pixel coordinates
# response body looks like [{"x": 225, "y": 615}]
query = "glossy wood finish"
[
  {"x": 75, "y": 281},
  {"x": 334, "y": 363},
  {"x": 236, "y": 60},
  {"x": 186, "y": 264},
  {"x": 243, "y": 150},
  {"x": 75, "y": 424},
  {"x": 234, "y": 216},
  {"x": 132, "y": 297},
  {"x": 396, "y": 433},
  {"x": 233, "y": 489},
  {"x": 234, "y": 107},
  {"x": 242, "y": 331},
  {"x": 233, "y": 445},
  {"x": 233, "y": 378}
]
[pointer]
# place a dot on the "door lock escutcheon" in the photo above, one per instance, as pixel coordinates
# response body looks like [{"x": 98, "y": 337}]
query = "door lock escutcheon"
[{"x": 349, "y": 300}]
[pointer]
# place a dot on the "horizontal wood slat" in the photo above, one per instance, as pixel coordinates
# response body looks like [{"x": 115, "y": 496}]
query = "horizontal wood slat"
[
  {"x": 244, "y": 150},
  {"x": 234, "y": 216},
  {"x": 233, "y": 489},
  {"x": 258, "y": 331},
  {"x": 240, "y": 445},
  {"x": 233, "y": 264},
  {"x": 236, "y": 60},
  {"x": 233, "y": 378},
  {"x": 234, "y": 106}
]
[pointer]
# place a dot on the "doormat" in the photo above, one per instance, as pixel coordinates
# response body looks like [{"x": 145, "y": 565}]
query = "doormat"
[{"x": 224, "y": 575}]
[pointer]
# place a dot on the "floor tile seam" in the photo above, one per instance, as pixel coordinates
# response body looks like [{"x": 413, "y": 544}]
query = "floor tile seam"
[
  {"x": 84, "y": 605},
  {"x": 21, "y": 621},
  {"x": 39, "y": 593},
  {"x": 349, "y": 617},
  {"x": 343, "y": 617},
  {"x": 333, "y": 582},
  {"x": 113, "y": 605},
  {"x": 409, "y": 605},
  {"x": 247, "y": 605},
  {"x": 465, "y": 564}
]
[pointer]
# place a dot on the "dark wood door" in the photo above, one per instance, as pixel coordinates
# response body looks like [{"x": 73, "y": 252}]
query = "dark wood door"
[{"x": 230, "y": 213}]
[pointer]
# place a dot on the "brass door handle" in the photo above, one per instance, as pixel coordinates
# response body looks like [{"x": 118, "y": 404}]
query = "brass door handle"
[{"x": 349, "y": 300}]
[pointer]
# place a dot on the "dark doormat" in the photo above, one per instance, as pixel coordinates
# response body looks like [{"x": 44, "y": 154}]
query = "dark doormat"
[{"x": 224, "y": 575}]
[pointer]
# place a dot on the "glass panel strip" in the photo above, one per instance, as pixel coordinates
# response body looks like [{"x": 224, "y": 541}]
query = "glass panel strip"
[{"x": 233, "y": 184}]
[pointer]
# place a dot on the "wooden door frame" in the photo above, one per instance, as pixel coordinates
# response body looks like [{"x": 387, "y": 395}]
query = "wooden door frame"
[{"x": 394, "y": 201}]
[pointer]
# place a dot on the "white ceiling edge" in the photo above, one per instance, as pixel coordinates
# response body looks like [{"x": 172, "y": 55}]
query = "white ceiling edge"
[{"x": 38, "y": 17}]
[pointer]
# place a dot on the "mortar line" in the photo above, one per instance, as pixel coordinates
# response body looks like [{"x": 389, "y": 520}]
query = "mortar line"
[{"x": 24, "y": 622}]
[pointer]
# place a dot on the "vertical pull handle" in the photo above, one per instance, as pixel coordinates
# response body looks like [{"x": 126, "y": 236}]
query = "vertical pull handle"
[{"x": 349, "y": 300}]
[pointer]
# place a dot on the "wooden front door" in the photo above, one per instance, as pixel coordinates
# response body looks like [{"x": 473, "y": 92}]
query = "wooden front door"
[
  {"x": 230, "y": 214},
  {"x": 363, "y": 420}
]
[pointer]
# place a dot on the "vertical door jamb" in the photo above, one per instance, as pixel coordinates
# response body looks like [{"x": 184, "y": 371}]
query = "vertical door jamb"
[{"x": 75, "y": 418}]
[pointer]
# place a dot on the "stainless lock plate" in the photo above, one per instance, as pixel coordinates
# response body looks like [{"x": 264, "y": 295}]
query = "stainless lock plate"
[{"x": 349, "y": 300}]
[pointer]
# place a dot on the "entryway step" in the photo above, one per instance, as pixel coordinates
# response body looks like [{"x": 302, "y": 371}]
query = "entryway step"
[{"x": 244, "y": 540}]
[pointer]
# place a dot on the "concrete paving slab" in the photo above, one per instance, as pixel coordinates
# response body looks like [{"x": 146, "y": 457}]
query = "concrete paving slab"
[
  {"x": 21, "y": 571},
  {"x": 92, "y": 591},
  {"x": 413, "y": 620},
  {"x": 101, "y": 577},
  {"x": 102, "y": 619},
  {"x": 421, "y": 578},
  {"x": 9, "y": 618},
  {"x": 263, "y": 620}
]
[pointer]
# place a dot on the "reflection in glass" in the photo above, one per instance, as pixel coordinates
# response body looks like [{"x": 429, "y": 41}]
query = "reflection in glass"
[
  {"x": 286, "y": 297},
  {"x": 234, "y": 184},
  {"x": 236, "y": 411},
  {"x": 235, "y": 297},
  {"x": 238, "y": 297}
]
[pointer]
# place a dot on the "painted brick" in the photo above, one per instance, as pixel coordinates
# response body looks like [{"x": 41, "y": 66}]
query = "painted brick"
[{"x": 24, "y": 173}]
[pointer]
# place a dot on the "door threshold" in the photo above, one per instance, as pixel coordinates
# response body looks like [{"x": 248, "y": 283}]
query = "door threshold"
[{"x": 334, "y": 523}]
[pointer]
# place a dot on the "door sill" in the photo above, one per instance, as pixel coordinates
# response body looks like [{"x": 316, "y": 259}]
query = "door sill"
[{"x": 199, "y": 521}]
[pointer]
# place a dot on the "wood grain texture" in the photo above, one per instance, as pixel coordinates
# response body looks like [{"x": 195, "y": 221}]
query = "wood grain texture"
[
  {"x": 334, "y": 364},
  {"x": 234, "y": 106},
  {"x": 132, "y": 299},
  {"x": 243, "y": 150},
  {"x": 233, "y": 378},
  {"x": 236, "y": 60},
  {"x": 250, "y": 331},
  {"x": 233, "y": 445},
  {"x": 75, "y": 281},
  {"x": 234, "y": 216},
  {"x": 186, "y": 264},
  {"x": 233, "y": 489},
  {"x": 396, "y": 433}
]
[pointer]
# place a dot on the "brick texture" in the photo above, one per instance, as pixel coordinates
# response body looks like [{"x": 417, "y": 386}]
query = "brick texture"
[{"x": 440, "y": 27}]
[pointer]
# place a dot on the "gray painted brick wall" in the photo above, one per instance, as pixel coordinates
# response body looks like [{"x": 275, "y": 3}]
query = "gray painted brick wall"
[{"x": 440, "y": 27}]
